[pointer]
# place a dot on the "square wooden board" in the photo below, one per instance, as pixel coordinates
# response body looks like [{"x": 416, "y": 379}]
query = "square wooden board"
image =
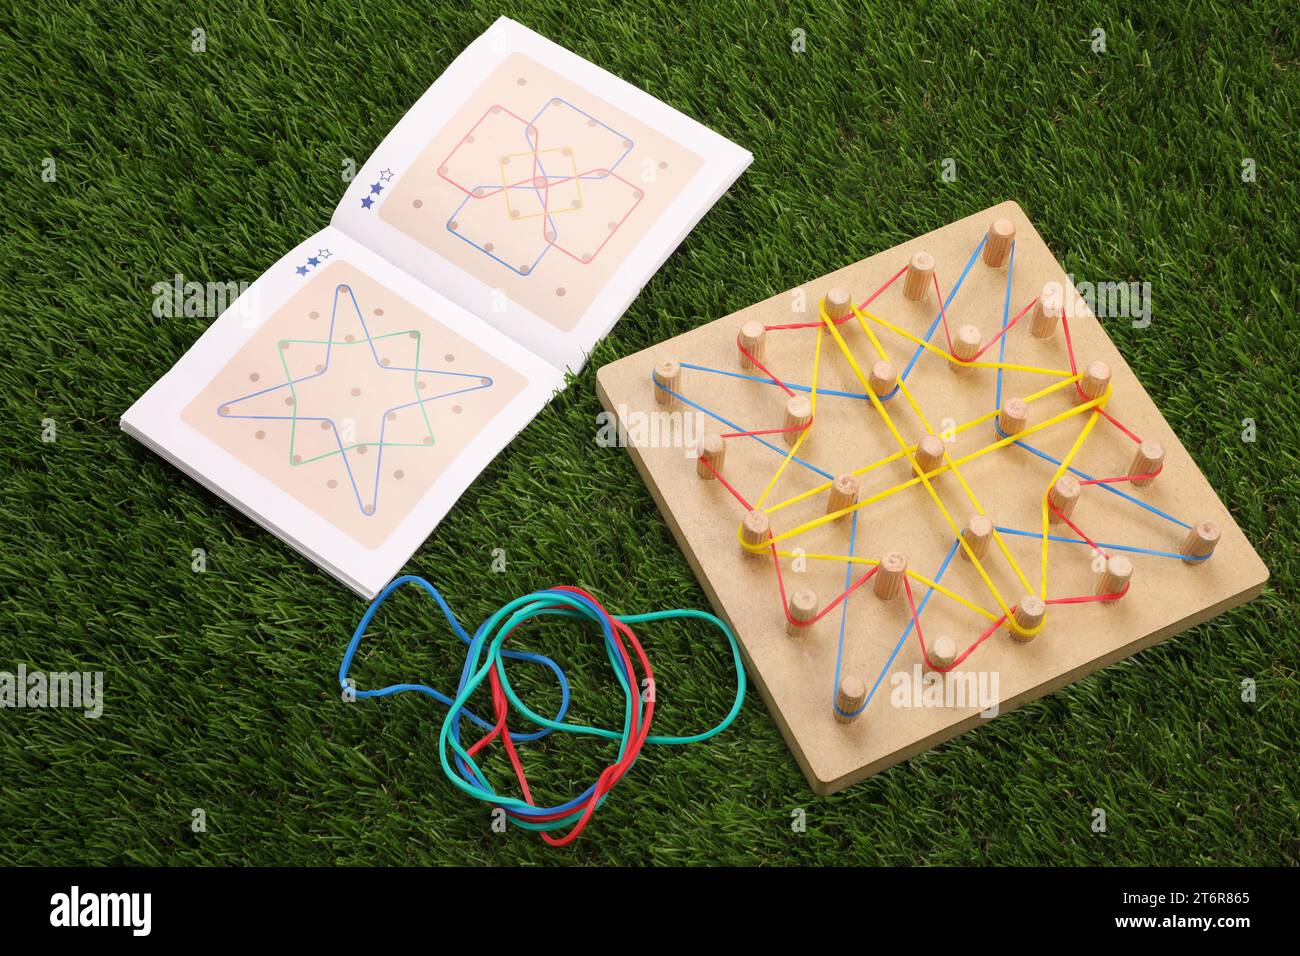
[{"x": 796, "y": 674}]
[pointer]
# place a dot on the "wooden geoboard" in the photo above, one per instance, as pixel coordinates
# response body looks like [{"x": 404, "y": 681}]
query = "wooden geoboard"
[{"x": 1084, "y": 433}]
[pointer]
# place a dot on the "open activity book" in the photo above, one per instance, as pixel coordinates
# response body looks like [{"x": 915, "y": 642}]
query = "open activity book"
[{"x": 352, "y": 393}]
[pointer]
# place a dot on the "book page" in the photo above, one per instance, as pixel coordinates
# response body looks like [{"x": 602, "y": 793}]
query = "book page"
[
  {"x": 536, "y": 190},
  {"x": 344, "y": 406}
]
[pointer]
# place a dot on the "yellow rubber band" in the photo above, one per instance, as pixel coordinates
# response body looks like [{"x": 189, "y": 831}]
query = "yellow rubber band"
[{"x": 907, "y": 451}]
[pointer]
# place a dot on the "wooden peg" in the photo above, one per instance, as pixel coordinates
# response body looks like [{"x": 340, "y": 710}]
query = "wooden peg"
[
  {"x": 1095, "y": 379},
  {"x": 883, "y": 379},
  {"x": 798, "y": 413},
  {"x": 712, "y": 451},
  {"x": 844, "y": 494},
  {"x": 1148, "y": 460},
  {"x": 889, "y": 576},
  {"x": 837, "y": 304},
  {"x": 755, "y": 529},
  {"x": 941, "y": 654},
  {"x": 850, "y": 696},
  {"x": 1115, "y": 578},
  {"x": 964, "y": 346},
  {"x": 1200, "y": 541},
  {"x": 1047, "y": 310},
  {"x": 803, "y": 607},
  {"x": 929, "y": 454},
  {"x": 1013, "y": 416},
  {"x": 997, "y": 246},
  {"x": 1029, "y": 614},
  {"x": 977, "y": 534},
  {"x": 920, "y": 276},
  {"x": 752, "y": 338},
  {"x": 1064, "y": 494},
  {"x": 667, "y": 375}
]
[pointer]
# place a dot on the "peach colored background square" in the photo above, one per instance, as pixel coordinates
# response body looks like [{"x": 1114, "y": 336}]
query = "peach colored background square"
[
  {"x": 583, "y": 182},
  {"x": 357, "y": 423}
]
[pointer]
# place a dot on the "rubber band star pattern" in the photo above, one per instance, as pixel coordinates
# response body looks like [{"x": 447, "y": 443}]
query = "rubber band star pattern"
[
  {"x": 547, "y": 193},
  {"x": 335, "y": 385},
  {"x": 981, "y": 541}
]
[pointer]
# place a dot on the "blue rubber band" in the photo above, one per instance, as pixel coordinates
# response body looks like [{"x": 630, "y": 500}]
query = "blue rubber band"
[
  {"x": 908, "y": 630},
  {"x": 1102, "y": 544},
  {"x": 733, "y": 425}
]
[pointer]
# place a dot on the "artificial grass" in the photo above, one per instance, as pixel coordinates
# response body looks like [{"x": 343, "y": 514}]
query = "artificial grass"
[{"x": 219, "y": 686}]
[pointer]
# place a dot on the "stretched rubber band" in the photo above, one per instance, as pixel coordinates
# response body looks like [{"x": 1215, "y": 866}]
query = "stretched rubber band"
[{"x": 1094, "y": 409}]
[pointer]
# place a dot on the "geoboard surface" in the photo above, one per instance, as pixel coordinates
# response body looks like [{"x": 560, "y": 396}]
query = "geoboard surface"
[
  {"x": 953, "y": 599},
  {"x": 539, "y": 188}
]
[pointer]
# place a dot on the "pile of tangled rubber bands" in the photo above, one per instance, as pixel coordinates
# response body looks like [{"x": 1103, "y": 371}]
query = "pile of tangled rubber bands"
[{"x": 486, "y": 659}]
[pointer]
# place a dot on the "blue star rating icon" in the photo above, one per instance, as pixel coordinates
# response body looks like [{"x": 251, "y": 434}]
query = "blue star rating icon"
[
  {"x": 385, "y": 177},
  {"x": 313, "y": 262}
]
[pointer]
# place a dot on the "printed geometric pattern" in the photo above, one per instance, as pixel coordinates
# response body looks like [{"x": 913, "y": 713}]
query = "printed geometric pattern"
[
  {"x": 530, "y": 190},
  {"x": 340, "y": 383}
]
